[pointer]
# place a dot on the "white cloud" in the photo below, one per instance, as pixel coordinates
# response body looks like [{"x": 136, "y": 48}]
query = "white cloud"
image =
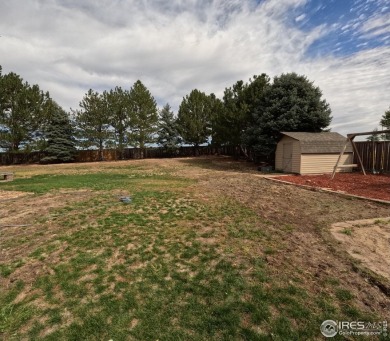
[
  {"x": 68, "y": 46},
  {"x": 376, "y": 26},
  {"x": 357, "y": 88}
]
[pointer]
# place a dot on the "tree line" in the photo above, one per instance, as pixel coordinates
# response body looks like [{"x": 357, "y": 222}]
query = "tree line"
[{"x": 250, "y": 116}]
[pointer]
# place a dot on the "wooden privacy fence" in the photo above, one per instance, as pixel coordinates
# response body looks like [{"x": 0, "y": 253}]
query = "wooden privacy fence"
[
  {"x": 154, "y": 153},
  {"x": 375, "y": 155},
  {"x": 128, "y": 153},
  {"x": 20, "y": 158}
]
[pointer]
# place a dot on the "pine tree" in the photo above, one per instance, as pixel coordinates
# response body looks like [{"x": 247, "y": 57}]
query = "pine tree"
[
  {"x": 239, "y": 102},
  {"x": 385, "y": 123},
  {"x": 143, "y": 116},
  {"x": 59, "y": 134},
  {"x": 93, "y": 122},
  {"x": 194, "y": 118},
  {"x": 22, "y": 112},
  {"x": 374, "y": 137},
  {"x": 291, "y": 103},
  {"x": 168, "y": 135},
  {"x": 117, "y": 102}
]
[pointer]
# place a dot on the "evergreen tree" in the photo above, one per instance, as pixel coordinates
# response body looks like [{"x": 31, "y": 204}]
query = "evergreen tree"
[
  {"x": 291, "y": 103},
  {"x": 217, "y": 111},
  {"x": 22, "y": 112},
  {"x": 239, "y": 102},
  {"x": 374, "y": 137},
  {"x": 143, "y": 116},
  {"x": 117, "y": 102},
  {"x": 167, "y": 134},
  {"x": 59, "y": 134},
  {"x": 93, "y": 122},
  {"x": 194, "y": 118},
  {"x": 385, "y": 123}
]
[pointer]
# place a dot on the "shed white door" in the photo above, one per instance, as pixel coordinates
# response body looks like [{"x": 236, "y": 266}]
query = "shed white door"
[{"x": 287, "y": 157}]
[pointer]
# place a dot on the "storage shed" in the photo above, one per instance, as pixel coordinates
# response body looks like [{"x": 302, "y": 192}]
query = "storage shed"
[{"x": 311, "y": 153}]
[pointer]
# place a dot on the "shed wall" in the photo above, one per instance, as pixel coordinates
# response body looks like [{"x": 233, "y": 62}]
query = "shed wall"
[
  {"x": 324, "y": 163},
  {"x": 295, "y": 158}
]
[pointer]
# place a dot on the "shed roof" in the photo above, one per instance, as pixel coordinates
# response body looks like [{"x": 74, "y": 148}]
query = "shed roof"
[{"x": 320, "y": 143}]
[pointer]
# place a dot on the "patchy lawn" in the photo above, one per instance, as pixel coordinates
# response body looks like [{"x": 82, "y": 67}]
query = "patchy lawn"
[
  {"x": 206, "y": 250},
  {"x": 369, "y": 186}
]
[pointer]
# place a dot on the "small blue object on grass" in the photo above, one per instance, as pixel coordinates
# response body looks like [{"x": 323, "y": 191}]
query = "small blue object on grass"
[{"x": 126, "y": 200}]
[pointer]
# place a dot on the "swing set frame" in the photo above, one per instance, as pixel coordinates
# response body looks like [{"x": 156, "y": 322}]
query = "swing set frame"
[{"x": 350, "y": 139}]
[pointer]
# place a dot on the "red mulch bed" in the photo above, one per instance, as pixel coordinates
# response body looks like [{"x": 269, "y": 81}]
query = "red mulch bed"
[{"x": 369, "y": 186}]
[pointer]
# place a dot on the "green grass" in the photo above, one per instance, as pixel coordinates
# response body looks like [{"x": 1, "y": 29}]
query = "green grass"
[
  {"x": 40, "y": 184},
  {"x": 347, "y": 231},
  {"x": 168, "y": 266}
]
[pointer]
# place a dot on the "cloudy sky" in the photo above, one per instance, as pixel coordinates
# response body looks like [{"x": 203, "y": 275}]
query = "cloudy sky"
[{"x": 174, "y": 46}]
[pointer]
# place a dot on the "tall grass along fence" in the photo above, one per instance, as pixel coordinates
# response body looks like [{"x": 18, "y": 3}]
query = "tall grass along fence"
[
  {"x": 128, "y": 153},
  {"x": 375, "y": 155}
]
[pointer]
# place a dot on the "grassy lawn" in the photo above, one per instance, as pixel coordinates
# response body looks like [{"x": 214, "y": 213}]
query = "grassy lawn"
[{"x": 179, "y": 262}]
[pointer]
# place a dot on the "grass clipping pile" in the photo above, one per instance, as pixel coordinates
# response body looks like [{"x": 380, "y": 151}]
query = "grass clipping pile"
[{"x": 368, "y": 241}]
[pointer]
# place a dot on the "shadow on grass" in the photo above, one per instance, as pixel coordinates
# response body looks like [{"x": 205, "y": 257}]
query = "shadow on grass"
[{"x": 220, "y": 163}]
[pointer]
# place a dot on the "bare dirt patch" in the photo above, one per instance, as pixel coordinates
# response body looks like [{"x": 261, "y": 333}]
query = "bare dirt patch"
[
  {"x": 26, "y": 223},
  {"x": 369, "y": 186},
  {"x": 299, "y": 221},
  {"x": 368, "y": 241},
  {"x": 10, "y": 195}
]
